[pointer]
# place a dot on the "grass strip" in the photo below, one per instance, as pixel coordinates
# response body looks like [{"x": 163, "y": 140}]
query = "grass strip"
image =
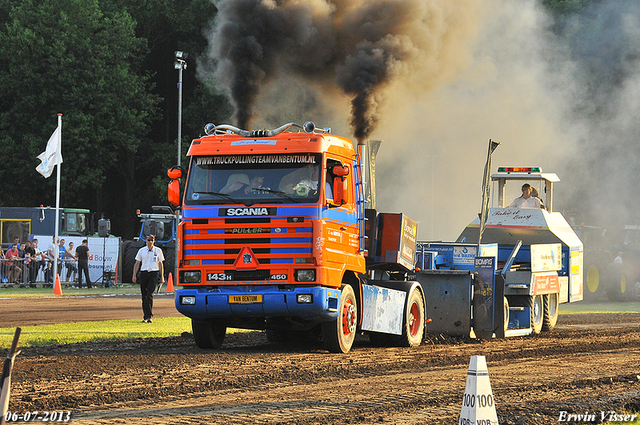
[
  {"x": 48, "y": 292},
  {"x": 600, "y": 307},
  {"x": 67, "y": 333}
]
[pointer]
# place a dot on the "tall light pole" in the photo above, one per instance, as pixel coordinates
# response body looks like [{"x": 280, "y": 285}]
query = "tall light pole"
[{"x": 180, "y": 64}]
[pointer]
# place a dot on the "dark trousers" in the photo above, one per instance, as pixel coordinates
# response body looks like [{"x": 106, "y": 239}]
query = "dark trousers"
[
  {"x": 148, "y": 282},
  {"x": 83, "y": 266}
]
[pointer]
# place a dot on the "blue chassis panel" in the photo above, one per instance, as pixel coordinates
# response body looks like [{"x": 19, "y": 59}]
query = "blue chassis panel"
[{"x": 276, "y": 302}]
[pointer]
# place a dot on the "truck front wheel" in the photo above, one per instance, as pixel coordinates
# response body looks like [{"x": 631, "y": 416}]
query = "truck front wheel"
[
  {"x": 338, "y": 335},
  {"x": 208, "y": 333}
]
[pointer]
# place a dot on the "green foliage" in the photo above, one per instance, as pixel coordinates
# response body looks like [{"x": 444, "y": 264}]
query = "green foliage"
[
  {"x": 68, "y": 57},
  {"x": 108, "y": 68}
]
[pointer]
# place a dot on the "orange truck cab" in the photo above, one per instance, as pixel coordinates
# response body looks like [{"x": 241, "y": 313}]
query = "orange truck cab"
[{"x": 272, "y": 228}]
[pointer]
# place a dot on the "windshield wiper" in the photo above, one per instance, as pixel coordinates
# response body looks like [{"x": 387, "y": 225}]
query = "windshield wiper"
[
  {"x": 276, "y": 192},
  {"x": 229, "y": 197}
]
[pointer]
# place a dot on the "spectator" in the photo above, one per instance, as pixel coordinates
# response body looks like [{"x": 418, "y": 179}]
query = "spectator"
[
  {"x": 30, "y": 262},
  {"x": 40, "y": 263},
  {"x": 61, "y": 251},
  {"x": 13, "y": 271},
  {"x": 52, "y": 252},
  {"x": 618, "y": 259},
  {"x": 70, "y": 262},
  {"x": 3, "y": 271},
  {"x": 82, "y": 254}
]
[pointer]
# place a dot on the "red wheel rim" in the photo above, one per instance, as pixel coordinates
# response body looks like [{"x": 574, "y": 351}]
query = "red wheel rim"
[
  {"x": 414, "y": 319},
  {"x": 348, "y": 318}
]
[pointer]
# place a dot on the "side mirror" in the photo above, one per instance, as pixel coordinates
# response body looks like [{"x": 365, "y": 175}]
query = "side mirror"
[
  {"x": 340, "y": 190},
  {"x": 174, "y": 192},
  {"x": 340, "y": 171},
  {"x": 174, "y": 172}
]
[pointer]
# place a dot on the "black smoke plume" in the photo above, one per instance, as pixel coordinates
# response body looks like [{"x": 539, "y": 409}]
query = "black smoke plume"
[{"x": 361, "y": 47}]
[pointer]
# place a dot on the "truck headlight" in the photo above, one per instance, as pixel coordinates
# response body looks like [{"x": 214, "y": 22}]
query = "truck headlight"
[
  {"x": 305, "y": 275},
  {"x": 190, "y": 276},
  {"x": 305, "y": 298},
  {"x": 188, "y": 300}
]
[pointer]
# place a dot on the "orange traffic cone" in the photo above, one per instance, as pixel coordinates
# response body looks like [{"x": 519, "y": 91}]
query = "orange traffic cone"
[
  {"x": 170, "y": 283},
  {"x": 57, "y": 288}
]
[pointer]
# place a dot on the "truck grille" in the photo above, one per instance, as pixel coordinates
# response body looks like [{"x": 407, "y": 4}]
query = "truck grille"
[{"x": 274, "y": 241}]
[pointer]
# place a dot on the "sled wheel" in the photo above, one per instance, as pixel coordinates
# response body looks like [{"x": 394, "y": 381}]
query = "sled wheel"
[
  {"x": 505, "y": 304},
  {"x": 537, "y": 313},
  {"x": 551, "y": 310}
]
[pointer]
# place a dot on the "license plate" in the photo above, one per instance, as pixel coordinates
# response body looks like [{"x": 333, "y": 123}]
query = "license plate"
[{"x": 245, "y": 299}]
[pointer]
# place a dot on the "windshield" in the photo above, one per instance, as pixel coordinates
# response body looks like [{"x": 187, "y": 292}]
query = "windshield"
[{"x": 253, "y": 179}]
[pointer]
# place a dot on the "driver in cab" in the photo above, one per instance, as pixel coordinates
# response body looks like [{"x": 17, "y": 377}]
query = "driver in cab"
[{"x": 526, "y": 200}]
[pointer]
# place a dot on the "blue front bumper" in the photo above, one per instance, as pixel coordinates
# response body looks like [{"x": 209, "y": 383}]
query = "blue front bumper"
[{"x": 276, "y": 301}]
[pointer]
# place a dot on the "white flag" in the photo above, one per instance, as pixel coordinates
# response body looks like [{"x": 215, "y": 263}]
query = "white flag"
[{"x": 50, "y": 157}]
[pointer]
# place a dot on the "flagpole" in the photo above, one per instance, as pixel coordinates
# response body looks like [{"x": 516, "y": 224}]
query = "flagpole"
[{"x": 55, "y": 263}]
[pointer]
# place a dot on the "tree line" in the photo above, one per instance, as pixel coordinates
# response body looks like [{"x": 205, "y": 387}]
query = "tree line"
[{"x": 108, "y": 67}]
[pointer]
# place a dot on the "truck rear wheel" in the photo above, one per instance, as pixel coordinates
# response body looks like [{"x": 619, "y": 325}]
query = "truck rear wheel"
[
  {"x": 413, "y": 324},
  {"x": 338, "y": 335},
  {"x": 551, "y": 310},
  {"x": 208, "y": 333}
]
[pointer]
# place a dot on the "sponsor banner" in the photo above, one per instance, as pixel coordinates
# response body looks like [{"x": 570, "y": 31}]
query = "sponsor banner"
[
  {"x": 576, "y": 263},
  {"x": 483, "y": 294},
  {"x": 464, "y": 254},
  {"x": 256, "y": 159},
  {"x": 546, "y": 257},
  {"x": 103, "y": 253},
  {"x": 545, "y": 283},
  {"x": 408, "y": 242}
]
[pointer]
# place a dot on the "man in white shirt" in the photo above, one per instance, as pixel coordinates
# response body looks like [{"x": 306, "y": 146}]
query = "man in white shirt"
[
  {"x": 526, "y": 200},
  {"x": 149, "y": 260}
]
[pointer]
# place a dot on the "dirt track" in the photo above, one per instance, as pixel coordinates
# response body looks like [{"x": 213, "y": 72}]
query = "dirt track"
[{"x": 590, "y": 363}]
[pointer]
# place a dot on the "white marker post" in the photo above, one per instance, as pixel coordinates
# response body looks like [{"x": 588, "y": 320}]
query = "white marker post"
[{"x": 478, "y": 406}]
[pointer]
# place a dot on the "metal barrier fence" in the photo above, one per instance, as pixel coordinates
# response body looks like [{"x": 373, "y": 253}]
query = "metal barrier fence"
[{"x": 25, "y": 271}]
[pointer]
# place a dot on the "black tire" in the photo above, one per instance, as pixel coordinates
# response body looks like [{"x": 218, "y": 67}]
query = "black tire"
[
  {"x": 123, "y": 251},
  {"x": 339, "y": 334},
  {"x": 551, "y": 311},
  {"x": 505, "y": 305},
  {"x": 169, "y": 263},
  {"x": 208, "y": 333},
  {"x": 616, "y": 283},
  {"x": 413, "y": 323},
  {"x": 129, "y": 261},
  {"x": 536, "y": 305}
]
